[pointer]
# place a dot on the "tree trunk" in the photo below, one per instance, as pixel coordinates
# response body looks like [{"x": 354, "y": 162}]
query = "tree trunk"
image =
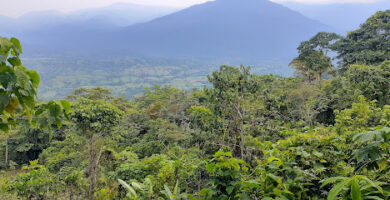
[
  {"x": 320, "y": 80},
  {"x": 240, "y": 129},
  {"x": 92, "y": 167},
  {"x": 70, "y": 193},
  {"x": 242, "y": 144},
  {"x": 6, "y": 154}
]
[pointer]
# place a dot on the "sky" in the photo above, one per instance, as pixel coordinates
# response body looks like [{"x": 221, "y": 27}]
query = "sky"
[{"x": 15, "y": 8}]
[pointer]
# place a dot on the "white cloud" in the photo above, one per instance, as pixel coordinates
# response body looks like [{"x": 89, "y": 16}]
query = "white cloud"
[{"x": 19, "y": 7}]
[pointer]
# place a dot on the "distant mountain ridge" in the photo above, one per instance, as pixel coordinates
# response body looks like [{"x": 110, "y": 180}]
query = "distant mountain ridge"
[
  {"x": 224, "y": 29},
  {"x": 240, "y": 30},
  {"x": 48, "y": 32},
  {"x": 247, "y": 29},
  {"x": 118, "y": 15}
]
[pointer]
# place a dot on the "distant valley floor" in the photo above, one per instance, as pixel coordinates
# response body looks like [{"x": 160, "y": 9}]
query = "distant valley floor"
[{"x": 127, "y": 76}]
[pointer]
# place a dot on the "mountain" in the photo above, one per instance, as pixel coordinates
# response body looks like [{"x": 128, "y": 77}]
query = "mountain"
[
  {"x": 342, "y": 16},
  {"x": 225, "y": 29},
  {"x": 48, "y": 32}
]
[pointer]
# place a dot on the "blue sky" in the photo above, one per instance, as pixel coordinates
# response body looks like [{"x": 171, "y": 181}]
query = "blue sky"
[{"x": 16, "y": 8}]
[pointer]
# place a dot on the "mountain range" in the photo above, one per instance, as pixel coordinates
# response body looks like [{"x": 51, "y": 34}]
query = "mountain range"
[
  {"x": 222, "y": 29},
  {"x": 119, "y": 14}
]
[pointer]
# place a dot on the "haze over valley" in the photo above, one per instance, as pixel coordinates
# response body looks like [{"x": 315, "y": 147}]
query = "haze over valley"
[{"x": 122, "y": 44}]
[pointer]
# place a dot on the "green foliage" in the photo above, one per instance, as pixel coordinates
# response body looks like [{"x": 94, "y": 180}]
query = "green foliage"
[
  {"x": 36, "y": 183},
  {"x": 374, "y": 152},
  {"x": 96, "y": 93},
  {"x": 359, "y": 187},
  {"x": 139, "y": 190},
  {"x": 371, "y": 81},
  {"x": 247, "y": 136},
  {"x": 225, "y": 173},
  {"x": 366, "y": 45},
  {"x": 357, "y": 118},
  {"x": 175, "y": 194},
  {"x": 95, "y": 116},
  {"x": 313, "y": 60},
  {"x": 17, "y": 84}
]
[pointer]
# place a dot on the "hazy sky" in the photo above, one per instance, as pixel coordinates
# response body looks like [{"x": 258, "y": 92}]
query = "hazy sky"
[{"x": 18, "y": 7}]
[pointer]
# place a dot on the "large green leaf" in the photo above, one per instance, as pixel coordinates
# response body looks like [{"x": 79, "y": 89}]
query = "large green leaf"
[
  {"x": 4, "y": 127},
  {"x": 58, "y": 122},
  {"x": 17, "y": 45},
  {"x": 55, "y": 110},
  {"x": 66, "y": 105},
  {"x": 22, "y": 78},
  {"x": 4, "y": 100},
  {"x": 14, "y": 61},
  {"x": 372, "y": 184},
  {"x": 34, "y": 77},
  {"x": 332, "y": 180},
  {"x": 131, "y": 192},
  {"x": 29, "y": 101},
  {"x": 337, "y": 189},
  {"x": 355, "y": 190}
]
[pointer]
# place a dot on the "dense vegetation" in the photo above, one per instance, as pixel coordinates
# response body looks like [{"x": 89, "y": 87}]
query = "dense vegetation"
[{"x": 320, "y": 135}]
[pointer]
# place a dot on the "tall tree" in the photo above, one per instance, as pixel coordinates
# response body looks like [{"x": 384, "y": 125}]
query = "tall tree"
[
  {"x": 313, "y": 60},
  {"x": 94, "y": 119},
  {"x": 372, "y": 81},
  {"x": 233, "y": 88},
  {"x": 368, "y": 45}
]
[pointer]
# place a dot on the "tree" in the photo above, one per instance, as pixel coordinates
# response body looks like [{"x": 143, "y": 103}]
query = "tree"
[
  {"x": 94, "y": 119},
  {"x": 95, "y": 93},
  {"x": 17, "y": 84},
  {"x": 18, "y": 87},
  {"x": 313, "y": 60},
  {"x": 233, "y": 89},
  {"x": 372, "y": 81},
  {"x": 368, "y": 45},
  {"x": 357, "y": 118}
]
